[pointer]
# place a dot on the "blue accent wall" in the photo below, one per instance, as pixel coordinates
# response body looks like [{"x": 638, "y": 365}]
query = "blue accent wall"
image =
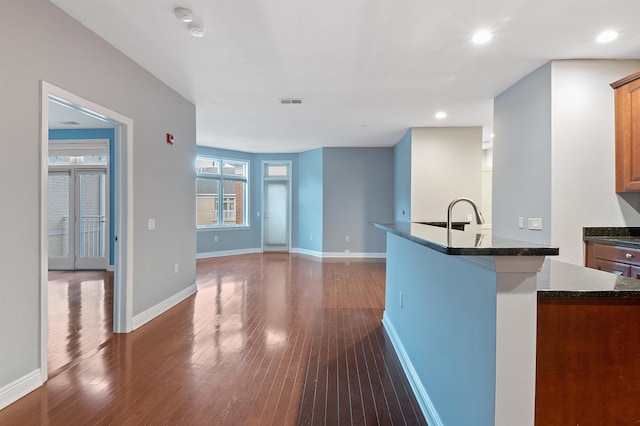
[
  {"x": 447, "y": 326},
  {"x": 310, "y": 200},
  {"x": 358, "y": 189},
  {"x": 336, "y": 192},
  {"x": 65, "y": 134},
  {"x": 402, "y": 178},
  {"x": 249, "y": 238}
]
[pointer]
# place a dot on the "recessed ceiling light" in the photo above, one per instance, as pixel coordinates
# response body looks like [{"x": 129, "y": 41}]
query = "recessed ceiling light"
[
  {"x": 183, "y": 14},
  {"x": 481, "y": 37},
  {"x": 196, "y": 30},
  {"x": 607, "y": 36},
  {"x": 440, "y": 115}
]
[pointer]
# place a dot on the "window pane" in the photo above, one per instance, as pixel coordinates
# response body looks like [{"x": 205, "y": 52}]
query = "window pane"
[
  {"x": 234, "y": 168},
  {"x": 58, "y": 190},
  {"x": 207, "y": 166},
  {"x": 206, "y": 202},
  {"x": 277, "y": 170},
  {"x": 93, "y": 159},
  {"x": 234, "y": 202}
]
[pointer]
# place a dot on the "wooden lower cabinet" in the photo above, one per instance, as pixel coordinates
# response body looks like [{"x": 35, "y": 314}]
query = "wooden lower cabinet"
[
  {"x": 588, "y": 361},
  {"x": 615, "y": 259}
]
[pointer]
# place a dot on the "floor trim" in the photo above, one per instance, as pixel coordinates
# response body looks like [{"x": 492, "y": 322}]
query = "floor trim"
[
  {"x": 426, "y": 405},
  {"x": 223, "y": 253},
  {"x": 146, "y": 316},
  {"x": 19, "y": 388}
]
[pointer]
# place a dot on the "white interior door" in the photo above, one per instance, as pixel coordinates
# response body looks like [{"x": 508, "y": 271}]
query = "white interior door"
[{"x": 276, "y": 215}]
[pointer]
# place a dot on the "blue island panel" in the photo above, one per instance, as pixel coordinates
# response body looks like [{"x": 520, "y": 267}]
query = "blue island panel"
[{"x": 444, "y": 332}]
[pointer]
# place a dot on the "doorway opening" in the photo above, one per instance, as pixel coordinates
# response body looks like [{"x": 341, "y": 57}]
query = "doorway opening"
[
  {"x": 79, "y": 197},
  {"x": 276, "y": 206},
  {"x": 95, "y": 176}
]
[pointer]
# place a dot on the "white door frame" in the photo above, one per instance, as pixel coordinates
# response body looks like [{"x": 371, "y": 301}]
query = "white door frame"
[
  {"x": 287, "y": 179},
  {"x": 123, "y": 220}
]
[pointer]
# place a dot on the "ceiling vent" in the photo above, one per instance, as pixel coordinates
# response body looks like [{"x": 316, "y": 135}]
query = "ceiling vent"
[{"x": 291, "y": 101}]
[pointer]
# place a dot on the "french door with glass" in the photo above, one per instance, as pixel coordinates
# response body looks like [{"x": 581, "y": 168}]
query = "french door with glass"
[{"x": 78, "y": 217}]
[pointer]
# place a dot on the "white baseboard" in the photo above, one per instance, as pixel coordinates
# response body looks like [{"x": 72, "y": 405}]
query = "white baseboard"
[
  {"x": 307, "y": 252},
  {"x": 349, "y": 255},
  {"x": 339, "y": 254},
  {"x": 19, "y": 388},
  {"x": 146, "y": 316},
  {"x": 227, "y": 253},
  {"x": 427, "y": 407}
]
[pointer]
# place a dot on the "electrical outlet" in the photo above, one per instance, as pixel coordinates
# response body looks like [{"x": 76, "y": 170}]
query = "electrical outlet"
[
  {"x": 151, "y": 224},
  {"x": 215, "y": 238},
  {"x": 347, "y": 238},
  {"x": 347, "y": 251},
  {"x": 175, "y": 268},
  {"x": 521, "y": 222}
]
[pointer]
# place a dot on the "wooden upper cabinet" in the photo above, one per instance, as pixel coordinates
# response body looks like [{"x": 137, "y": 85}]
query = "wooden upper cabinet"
[{"x": 627, "y": 104}]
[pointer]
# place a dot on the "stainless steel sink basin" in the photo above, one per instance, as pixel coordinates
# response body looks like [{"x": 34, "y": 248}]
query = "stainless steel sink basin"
[{"x": 454, "y": 225}]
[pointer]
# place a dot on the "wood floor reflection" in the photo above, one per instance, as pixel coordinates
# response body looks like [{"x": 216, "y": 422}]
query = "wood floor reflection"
[{"x": 269, "y": 339}]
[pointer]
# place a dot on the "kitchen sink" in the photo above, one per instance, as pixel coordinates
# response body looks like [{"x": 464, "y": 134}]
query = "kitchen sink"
[{"x": 454, "y": 225}]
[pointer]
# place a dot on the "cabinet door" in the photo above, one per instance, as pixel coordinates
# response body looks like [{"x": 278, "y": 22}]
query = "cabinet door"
[
  {"x": 627, "y": 101},
  {"x": 635, "y": 272},
  {"x": 613, "y": 267}
]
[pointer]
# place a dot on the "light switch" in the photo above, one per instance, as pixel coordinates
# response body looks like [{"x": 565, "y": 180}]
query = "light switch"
[
  {"x": 535, "y": 223},
  {"x": 151, "y": 224},
  {"x": 521, "y": 222}
]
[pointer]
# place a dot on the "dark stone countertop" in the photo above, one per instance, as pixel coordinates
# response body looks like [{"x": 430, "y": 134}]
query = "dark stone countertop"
[
  {"x": 469, "y": 242},
  {"x": 560, "y": 279},
  {"x": 614, "y": 236}
]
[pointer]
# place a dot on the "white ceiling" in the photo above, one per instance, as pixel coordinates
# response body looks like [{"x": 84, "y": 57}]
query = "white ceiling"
[
  {"x": 62, "y": 117},
  {"x": 367, "y": 69}
]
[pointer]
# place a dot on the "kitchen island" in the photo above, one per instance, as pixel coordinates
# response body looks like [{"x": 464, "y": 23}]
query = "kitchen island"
[
  {"x": 588, "y": 347},
  {"x": 461, "y": 313}
]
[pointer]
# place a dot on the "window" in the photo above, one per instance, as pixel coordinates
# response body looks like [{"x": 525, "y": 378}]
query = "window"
[{"x": 217, "y": 177}]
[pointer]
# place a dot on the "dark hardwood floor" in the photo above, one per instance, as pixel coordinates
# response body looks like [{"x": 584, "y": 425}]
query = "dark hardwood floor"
[{"x": 269, "y": 339}]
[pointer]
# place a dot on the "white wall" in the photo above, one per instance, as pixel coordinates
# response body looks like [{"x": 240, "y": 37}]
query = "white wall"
[
  {"x": 61, "y": 51},
  {"x": 583, "y": 153},
  {"x": 446, "y": 163}
]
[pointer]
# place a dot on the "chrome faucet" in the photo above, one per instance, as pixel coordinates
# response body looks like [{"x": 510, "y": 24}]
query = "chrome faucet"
[{"x": 479, "y": 218}]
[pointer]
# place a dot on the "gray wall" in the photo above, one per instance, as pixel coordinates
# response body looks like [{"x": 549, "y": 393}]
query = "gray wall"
[
  {"x": 358, "y": 188},
  {"x": 61, "y": 51},
  {"x": 554, "y": 155},
  {"x": 522, "y": 157},
  {"x": 402, "y": 178}
]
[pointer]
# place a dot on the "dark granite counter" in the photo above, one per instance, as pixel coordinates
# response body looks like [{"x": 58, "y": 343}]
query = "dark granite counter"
[
  {"x": 465, "y": 243},
  {"x": 614, "y": 236},
  {"x": 560, "y": 279}
]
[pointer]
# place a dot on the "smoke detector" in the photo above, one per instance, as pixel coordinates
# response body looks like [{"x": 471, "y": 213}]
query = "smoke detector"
[
  {"x": 196, "y": 30},
  {"x": 183, "y": 14}
]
